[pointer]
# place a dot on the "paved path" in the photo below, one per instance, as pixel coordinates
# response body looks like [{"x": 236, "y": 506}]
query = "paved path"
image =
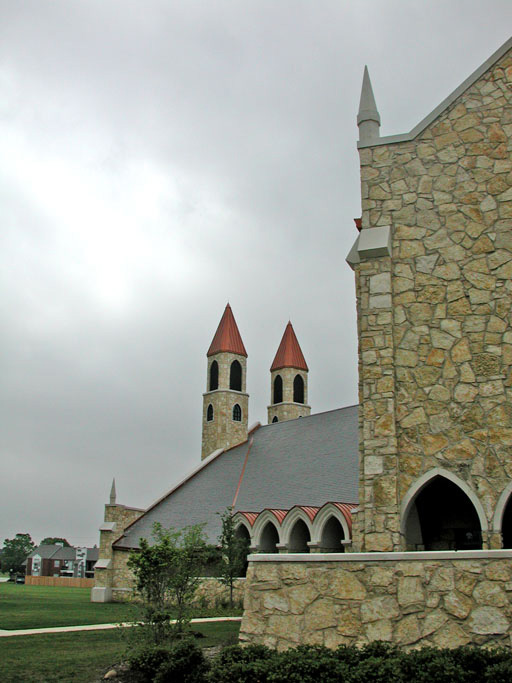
[{"x": 98, "y": 627}]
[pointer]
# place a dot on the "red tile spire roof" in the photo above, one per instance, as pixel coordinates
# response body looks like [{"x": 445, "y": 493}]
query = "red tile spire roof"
[
  {"x": 289, "y": 354},
  {"x": 227, "y": 337}
]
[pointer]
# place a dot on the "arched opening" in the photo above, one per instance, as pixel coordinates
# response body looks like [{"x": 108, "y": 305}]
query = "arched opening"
[
  {"x": 298, "y": 389},
  {"x": 209, "y": 413},
  {"x": 299, "y": 537},
  {"x": 214, "y": 376},
  {"x": 269, "y": 538},
  {"x": 332, "y": 536},
  {"x": 243, "y": 534},
  {"x": 275, "y": 419},
  {"x": 278, "y": 389},
  {"x": 506, "y": 525},
  {"x": 237, "y": 413},
  {"x": 442, "y": 517},
  {"x": 235, "y": 376}
]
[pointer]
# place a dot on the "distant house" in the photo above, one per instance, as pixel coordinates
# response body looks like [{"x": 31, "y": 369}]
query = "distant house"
[{"x": 59, "y": 560}]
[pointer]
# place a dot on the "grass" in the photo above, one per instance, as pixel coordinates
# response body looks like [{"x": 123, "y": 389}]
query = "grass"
[
  {"x": 81, "y": 657},
  {"x": 46, "y": 606}
]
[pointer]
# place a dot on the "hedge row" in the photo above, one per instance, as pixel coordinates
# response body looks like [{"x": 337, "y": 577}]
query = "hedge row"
[{"x": 375, "y": 663}]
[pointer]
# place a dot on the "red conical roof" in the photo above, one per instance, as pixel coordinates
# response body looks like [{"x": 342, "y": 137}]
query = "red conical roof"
[
  {"x": 289, "y": 354},
  {"x": 227, "y": 337}
]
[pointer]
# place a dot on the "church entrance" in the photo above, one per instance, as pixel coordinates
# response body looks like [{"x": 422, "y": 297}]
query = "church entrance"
[{"x": 442, "y": 517}]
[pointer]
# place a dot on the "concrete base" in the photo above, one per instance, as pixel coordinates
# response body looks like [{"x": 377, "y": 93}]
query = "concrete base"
[{"x": 101, "y": 594}]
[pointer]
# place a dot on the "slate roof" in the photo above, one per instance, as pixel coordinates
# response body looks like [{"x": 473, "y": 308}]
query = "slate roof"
[
  {"x": 289, "y": 354},
  {"x": 308, "y": 461}
]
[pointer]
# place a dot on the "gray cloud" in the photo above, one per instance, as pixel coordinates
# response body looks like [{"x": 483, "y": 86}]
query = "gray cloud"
[{"x": 158, "y": 159}]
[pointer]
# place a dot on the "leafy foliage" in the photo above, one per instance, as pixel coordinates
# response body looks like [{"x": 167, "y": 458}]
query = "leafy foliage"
[
  {"x": 15, "y": 552},
  {"x": 375, "y": 663},
  {"x": 234, "y": 552},
  {"x": 51, "y": 540},
  {"x": 166, "y": 577},
  {"x": 183, "y": 661}
]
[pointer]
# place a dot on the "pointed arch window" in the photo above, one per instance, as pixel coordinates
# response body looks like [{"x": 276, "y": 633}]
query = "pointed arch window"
[
  {"x": 278, "y": 389},
  {"x": 298, "y": 389},
  {"x": 209, "y": 413},
  {"x": 237, "y": 413},
  {"x": 275, "y": 419},
  {"x": 235, "y": 376},
  {"x": 214, "y": 376}
]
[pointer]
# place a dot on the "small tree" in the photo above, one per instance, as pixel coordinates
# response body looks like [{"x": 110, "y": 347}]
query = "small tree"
[
  {"x": 234, "y": 552},
  {"x": 166, "y": 577},
  {"x": 15, "y": 552}
]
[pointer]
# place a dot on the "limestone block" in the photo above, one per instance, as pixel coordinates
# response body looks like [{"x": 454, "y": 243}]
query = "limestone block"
[
  {"x": 384, "y": 607},
  {"x": 487, "y": 621},
  {"x": 457, "y": 604},
  {"x": 319, "y": 615},
  {"x": 490, "y": 593}
]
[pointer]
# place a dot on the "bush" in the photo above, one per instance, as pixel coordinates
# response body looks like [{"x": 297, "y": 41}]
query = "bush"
[
  {"x": 237, "y": 664},
  {"x": 307, "y": 664},
  {"x": 186, "y": 664},
  {"x": 182, "y": 662},
  {"x": 374, "y": 663}
]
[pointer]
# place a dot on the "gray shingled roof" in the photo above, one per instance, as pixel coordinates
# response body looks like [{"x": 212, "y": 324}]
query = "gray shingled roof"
[
  {"x": 307, "y": 461},
  {"x": 45, "y": 551}
]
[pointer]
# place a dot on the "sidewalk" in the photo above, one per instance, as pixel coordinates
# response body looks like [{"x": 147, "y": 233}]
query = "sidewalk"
[{"x": 97, "y": 627}]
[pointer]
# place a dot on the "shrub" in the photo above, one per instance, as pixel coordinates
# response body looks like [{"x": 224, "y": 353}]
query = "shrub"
[
  {"x": 182, "y": 662},
  {"x": 307, "y": 664},
  {"x": 237, "y": 664},
  {"x": 186, "y": 664},
  {"x": 499, "y": 673}
]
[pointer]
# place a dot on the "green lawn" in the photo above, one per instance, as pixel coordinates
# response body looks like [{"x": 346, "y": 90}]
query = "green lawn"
[
  {"x": 41, "y": 606},
  {"x": 80, "y": 657}
]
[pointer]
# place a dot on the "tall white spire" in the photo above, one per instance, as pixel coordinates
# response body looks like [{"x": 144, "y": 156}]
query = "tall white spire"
[
  {"x": 368, "y": 118},
  {"x": 113, "y": 492}
]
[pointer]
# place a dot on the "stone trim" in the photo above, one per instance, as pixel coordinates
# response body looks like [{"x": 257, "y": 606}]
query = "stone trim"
[
  {"x": 384, "y": 557},
  {"x": 420, "y": 127}
]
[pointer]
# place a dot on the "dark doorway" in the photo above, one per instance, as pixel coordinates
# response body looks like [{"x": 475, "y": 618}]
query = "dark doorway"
[
  {"x": 506, "y": 525},
  {"x": 269, "y": 539},
  {"x": 442, "y": 517},
  {"x": 332, "y": 536},
  {"x": 299, "y": 537}
]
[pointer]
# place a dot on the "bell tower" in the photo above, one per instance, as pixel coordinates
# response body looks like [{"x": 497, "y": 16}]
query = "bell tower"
[
  {"x": 288, "y": 381},
  {"x": 225, "y": 403}
]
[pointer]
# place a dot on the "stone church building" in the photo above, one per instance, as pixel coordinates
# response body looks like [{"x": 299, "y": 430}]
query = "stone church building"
[{"x": 390, "y": 520}]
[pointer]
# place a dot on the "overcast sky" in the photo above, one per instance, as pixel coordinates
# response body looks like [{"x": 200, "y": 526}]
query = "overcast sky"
[{"x": 157, "y": 160}]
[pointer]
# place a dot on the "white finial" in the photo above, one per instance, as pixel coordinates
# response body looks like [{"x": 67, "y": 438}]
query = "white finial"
[
  {"x": 113, "y": 492},
  {"x": 368, "y": 118}
]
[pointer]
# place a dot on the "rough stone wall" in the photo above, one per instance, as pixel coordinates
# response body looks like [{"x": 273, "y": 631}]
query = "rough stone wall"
[
  {"x": 411, "y": 602},
  {"x": 223, "y": 431},
  {"x": 287, "y": 409},
  {"x": 122, "y": 516},
  {"x": 435, "y": 334}
]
